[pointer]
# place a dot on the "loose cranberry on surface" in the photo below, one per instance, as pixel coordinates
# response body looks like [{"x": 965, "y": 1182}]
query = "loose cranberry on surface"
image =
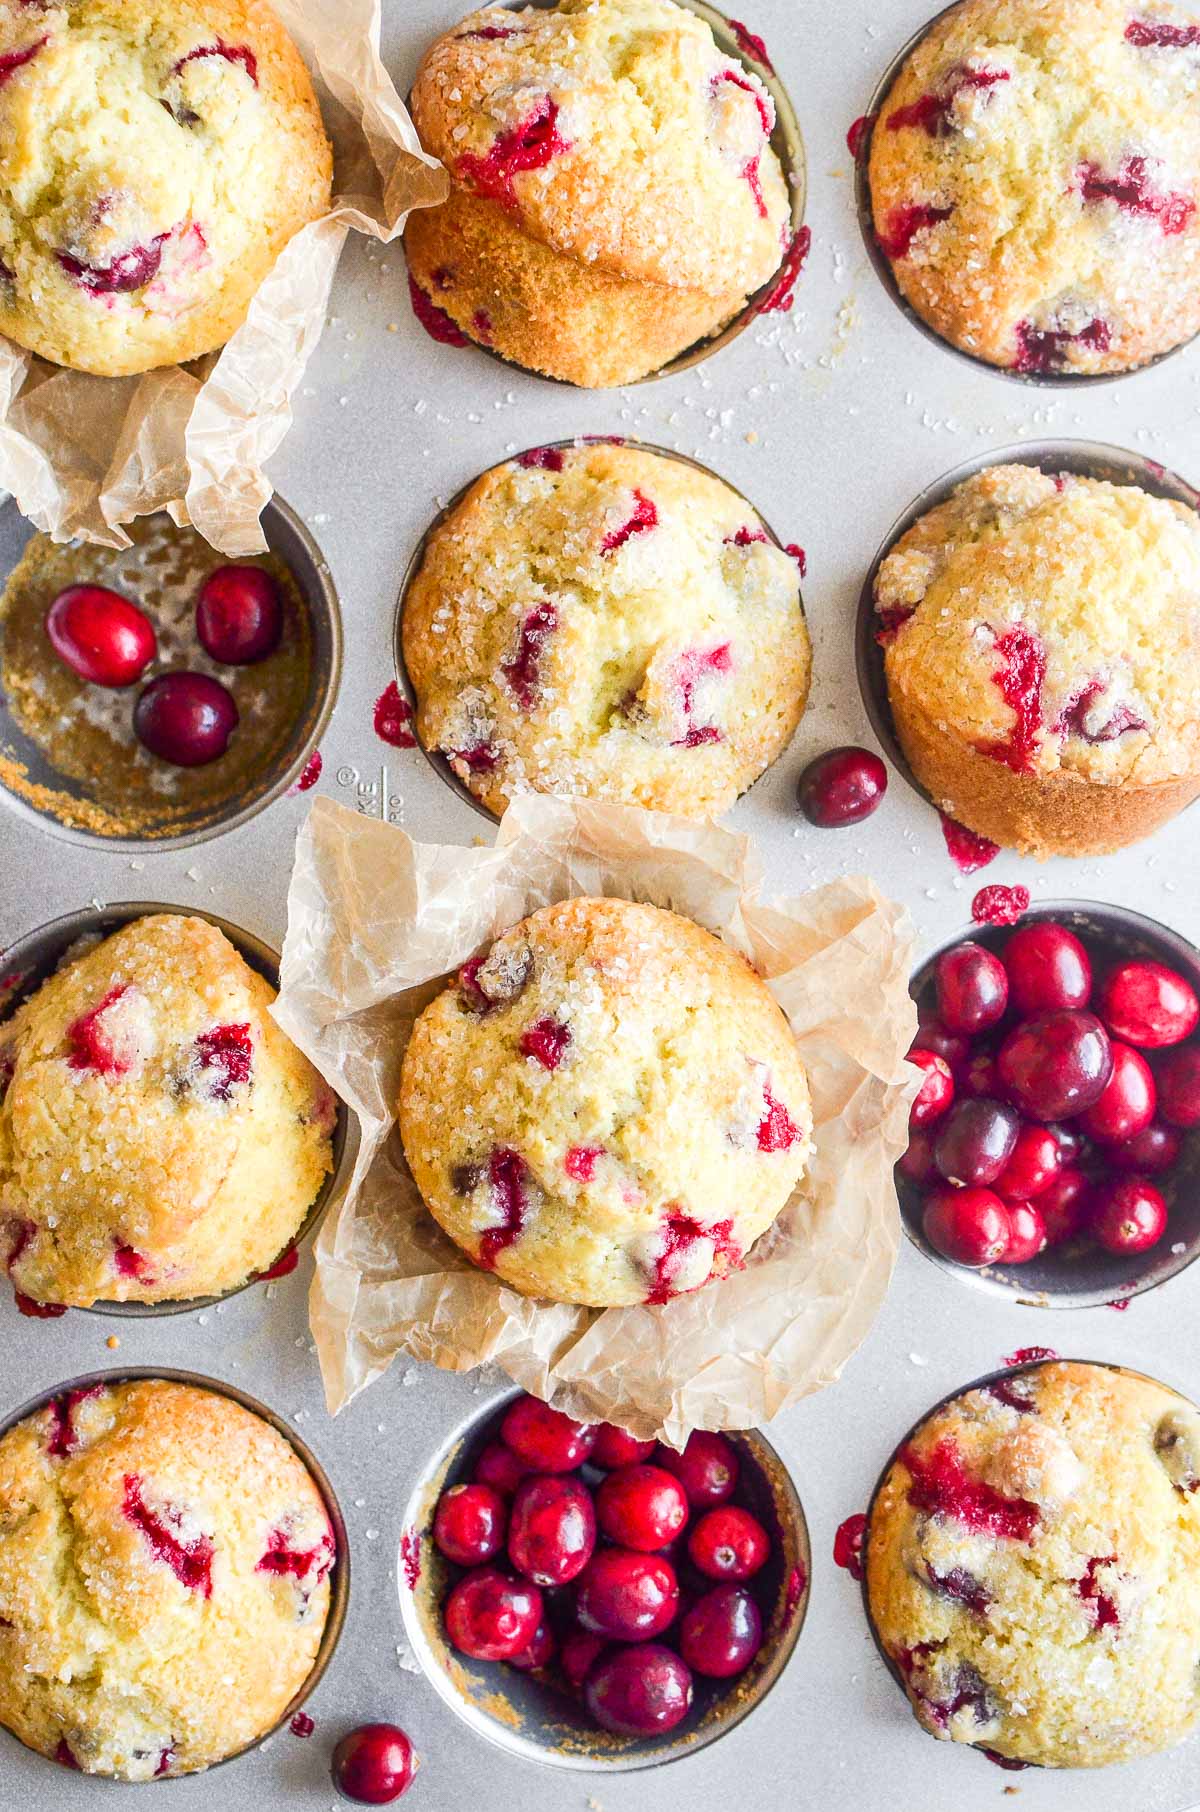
[
  {"x": 936, "y": 1092},
  {"x": 185, "y": 718},
  {"x": 374, "y": 1764},
  {"x": 970, "y": 1226},
  {"x": 1126, "y": 1107},
  {"x": 552, "y": 1530},
  {"x": 917, "y": 1164},
  {"x": 613, "y": 1447},
  {"x": 1035, "y": 1162},
  {"x": 721, "y": 1634},
  {"x": 1179, "y": 1087},
  {"x": 628, "y": 1596},
  {"x": 843, "y": 786},
  {"x": 239, "y": 615},
  {"x": 544, "y": 1438},
  {"x": 100, "y": 635},
  {"x": 1063, "y": 1206},
  {"x": 641, "y": 1691},
  {"x": 469, "y": 1524},
  {"x": 642, "y": 1507},
  {"x": 1149, "y": 1005},
  {"x": 491, "y": 1616},
  {"x": 1155, "y": 1149},
  {"x": 499, "y": 1467},
  {"x": 707, "y": 1468},
  {"x": 1027, "y": 1233},
  {"x": 976, "y": 1141},
  {"x": 728, "y": 1543},
  {"x": 1128, "y": 1215},
  {"x": 1047, "y": 967},
  {"x": 972, "y": 988},
  {"x": 1056, "y": 1064}
]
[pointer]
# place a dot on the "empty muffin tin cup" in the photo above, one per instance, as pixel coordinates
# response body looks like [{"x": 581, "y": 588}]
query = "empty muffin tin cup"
[
  {"x": 35, "y": 957},
  {"x": 864, "y": 129},
  {"x": 527, "y": 1715},
  {"x": 436, "y": 759},
  {"x": 1082, "y": 459},
  {"x": 50, "y": 800},
  {"x": 339, "y": 1577},
  {"x": 1080, "y": 1274}
]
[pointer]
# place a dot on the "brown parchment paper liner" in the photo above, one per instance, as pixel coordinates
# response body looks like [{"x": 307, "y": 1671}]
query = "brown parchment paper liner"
[
  {"x": 375, "y": 922},
  {"x": 82, "y": 455}
]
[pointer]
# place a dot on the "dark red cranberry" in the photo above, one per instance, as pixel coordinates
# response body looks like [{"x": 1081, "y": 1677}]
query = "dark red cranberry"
[
  {"x": 469, "y": 1524},
  {"x": 843, "y": 786},
  {"x": 539, "y": 1654},
  {"x": 627, "y": 1596},
  {"x": 1155, "y": 1149},
  {"x": 1149, "y": 1005},
  {"x": 1063, "y": 1206},
  {"x": 936, "y": 1092},
  {"x": 917, "y": 1164},
  {"x": 552, "y": 1530},
  {"x": 979, "y": 1077},
  {"x": 972, "y": 988},
  {"x": 374, "y": 1764},
  {"x": 499, "y": 1467},
  {"x": 1056, "y": 1064},
  {"x": 1027, "y": 1233},
  {"x": 579, "y": 1649},
  {"x": 932, "y": 1035},
  {"x": 639, "y": 1692},
  {"x": 642, "y": 1507},
  {"x": 729, "y": 1543},
  {"x": 1047, "y": 967},
  {"x": 1128, "y": 1215},
  {"x": 613, "y": 1447},
  {"x": 707, "y": 1468},
  {"x": 975, "y": 1141},
  {"x": 722, "y": 1633},
  {"x": 100, "y": 635},
  {"x": 544, "y": 1438},
  {"x": 1071, "y": 1143},
  {"x": 1035, "y": 1162},
  {"x": 239, "y": 615},
  {"x": 185, "y": 718},
  {"x": 1179, "y": 1087},
  {"x": 1126, "y": 1107},
  {"x": 970, "y": 1226},
  {"x": 491, "y": 1616}
]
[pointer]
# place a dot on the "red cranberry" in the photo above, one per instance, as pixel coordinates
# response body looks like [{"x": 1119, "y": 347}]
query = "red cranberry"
[
  {"x": 932, "y": 1035},
  {"x": 1071, "y": 1143},
  {"x": 980, "y": 1077},
  {"x": 972, "y": 988},
  {"x": 640, "y": 1692},
  {"x": 469, "y": 1525},
  {"x": 374, "y": 1764},
  {"x": 1027, "y": 1233},
  {"x": 625, "y": 1595},
  {"x": 936, "y": 1092},
  {"x": 975, "y": 1142},
  {"x": 1127, "y": 1105},
  {"x": 552, "y": 1530},
  {"x": 1149, "y": 1005},
  {"x": 1179, "y": 1087},
  {"x": 1056, "y": 1064},
  {"x": 185, "y": 718},
  {"x": 1155, "y": 1149},
  {"x": 917, "y": 1164},
  {"x": 707, "y": 1468},
  {"x": 239, "y": 615},
  {"x": 100, "y": 635},
  {"x": 499, "y": 1467},
  {"x": 641, "y": 1507},
  {"x": 843, "y": 786},
  {"x": 613, "y": 1447},
  {"x": 544, "y": 1438},
  {"x": 971, "y": 1226},
  {"x": 540, "y": 1652},
  {"x": 491, "y": 1616},
  {"x": 580, "y": 1648},
  {"x": 1035, "y": 1162},
  {"x": 1128, "y": 1215},
  {"x": 722, "y": 1633},
  {"x": 1063, "y": 1206},
  {"x": 1047, "y": 967},
  {"x": 728, "y": 1543}
]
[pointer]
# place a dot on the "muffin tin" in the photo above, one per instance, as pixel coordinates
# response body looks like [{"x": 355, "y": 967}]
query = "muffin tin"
[{"x": 830, "y": 419}]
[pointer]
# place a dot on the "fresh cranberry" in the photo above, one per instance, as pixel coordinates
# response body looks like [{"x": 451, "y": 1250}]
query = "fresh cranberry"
[
  {"x": 579, "y": 1649},
  {"x": 469, "y": 1524},
  {"x": 639, "y": 1692},
  {"x": 728, "y": 1543},
  {"x": 540, "y": 1652},
  {"x": 100, "y": 635},
  {"x": 1179, "y": 1088},
  {"x": 1027, "y": 1233},
  {"x": 1056, "y": 1064},
  {"x": 499, "y": 1467},
  {"x": 979, "y": 1077},
  {"x": 613, "y": 1447},
  {"x": 552, "y": 1530},
  {"x": 544, "y": 1438},
  {"x": 491, "y": 1616},
  {"x": 843, "y": 786},
  {"x": 185, "y": 718},
  {"x": 627, "y": 1596},
  {"x": 1128, "y": 1215},
  {"x": 1155, "y": 1149},
  {"x": 1035, "y": 1162},
  {"x": 722, "y": 1633},
  {"x": 917, "y": 1164},
  {"x": 707, "y": 1468},
  {"x": 976, "y": 1141},
  {"x": 936, "y": 1091},
  {"x": 239, "y": 615},
  {"x": 1063, "y": 1206},
  {"x": 1047, "y": 967},
  {"x": 374, "y": 1764},
  {"x": 932, "y": 1035},
  {"x": 642, "y": 1507},
  {"x": 1072, "y": 1145},
  {"x": 972, "y": 988},
  {"x": 1126, "y": 1107},
  {"x": 1149, "y": 1005},
  {"x": 970, "y": 1226}
]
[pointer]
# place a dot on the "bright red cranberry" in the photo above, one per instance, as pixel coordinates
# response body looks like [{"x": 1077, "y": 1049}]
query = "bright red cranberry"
[
  {"x": 628, "y": 1596},
  {"x": 1047, "y": 967},
  {"x": 185, "y": 718},
  {"x": 972, "y": 988},
  {"x": 239, "y": 615},
  {"x": 707, "y": 1468},
  {"x": 1126, "y": 1107},
  {"x": 552, "y": 1530},
  {"x": 1149, "y": 1005},
  {"x": 1128, "y": 1215},
  {"x": 470, "y": 1523},
  {"x": 544, "y": 1438},
  {"x": 722, "y": 1633},
  {"x": 936, "y": 1092},
  {"x": 976, "y": 1141},
  {"x": 1179, "y": 1087},
  {"x": 1056, "y": 1064},
  {"x": 1063, "y": 1206},
  {"x": 374, "y": 1764},
  {"x": 579, "y": 1649},
  {"x": 642, "y": 1507},
  {"x": 917, "y": 1164},
  {"x": 613, "y": 1447},
  {"x": 971, "y": 1226},
  {"x": 1027, "y": 1233},
  {"x": 100, "y": 635},
  {"x": 640, "y": 1692},
  {"x": 491, "y": 1616},
  {"x": 499, "y": 1467},
  {"x": 843, "y": 786},
  {"x": 539, "y": 1654},
  {"x": 1155, "y": 1149},
  {"x": 728, "y": 1543},
  {"x": 1035, "y": 1162},
  {"x": 932, "y": 1035}
]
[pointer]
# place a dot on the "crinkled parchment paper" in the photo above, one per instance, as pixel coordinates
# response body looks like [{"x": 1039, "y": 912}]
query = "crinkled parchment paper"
[
  {"x": 375, "y": 922},
  {"x": 83, "y": 454}
]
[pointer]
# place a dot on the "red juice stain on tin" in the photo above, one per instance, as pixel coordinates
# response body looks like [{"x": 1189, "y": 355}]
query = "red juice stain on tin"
[
  {"x": 410, "y": 1558},
  {"x": 999, "y": 905},
  {"x": 284, "y": 1265},
  {"x": 797, "y": 1580},
  {"x": 750, "y": 44},
  {"x": 1030, "y": 1355},
  {"x": 858, "y": 133},
  {"x": 779, "y": 298},
  {"x": 968, "y": 851},
  {"x": 302, "y": 1725},
  {"x": 392, "y": 717},
  {"x": 848, "y": 1544},
  {"x": 310, "y": 775},
  {"x": 38, "y": 1311},
  {"x": 1120, "y": 1304},
  {"x": 436, "y": 322}
]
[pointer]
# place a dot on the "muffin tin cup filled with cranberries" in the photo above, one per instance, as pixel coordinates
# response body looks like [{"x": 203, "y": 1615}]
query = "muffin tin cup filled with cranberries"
[
  {"x": 657, "y": 1596},
  {"x": 1055, "y": 1154}
]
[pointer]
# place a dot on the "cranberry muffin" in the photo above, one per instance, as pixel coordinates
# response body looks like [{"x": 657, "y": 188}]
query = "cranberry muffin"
[
  {"x": 1042, "y": 653},
  {"x": 164, "y": 1578},
  {"x": 607, "y": 622},
  {"x": 160, "y": 1137},
  {"x": 605, "y": 1108},
  {"x": 1033, "y": 1567},
  {"x": 614, "y": 194},
  {"x": 155, "y": 158},
  {"x": 1025, "y": 222}
]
